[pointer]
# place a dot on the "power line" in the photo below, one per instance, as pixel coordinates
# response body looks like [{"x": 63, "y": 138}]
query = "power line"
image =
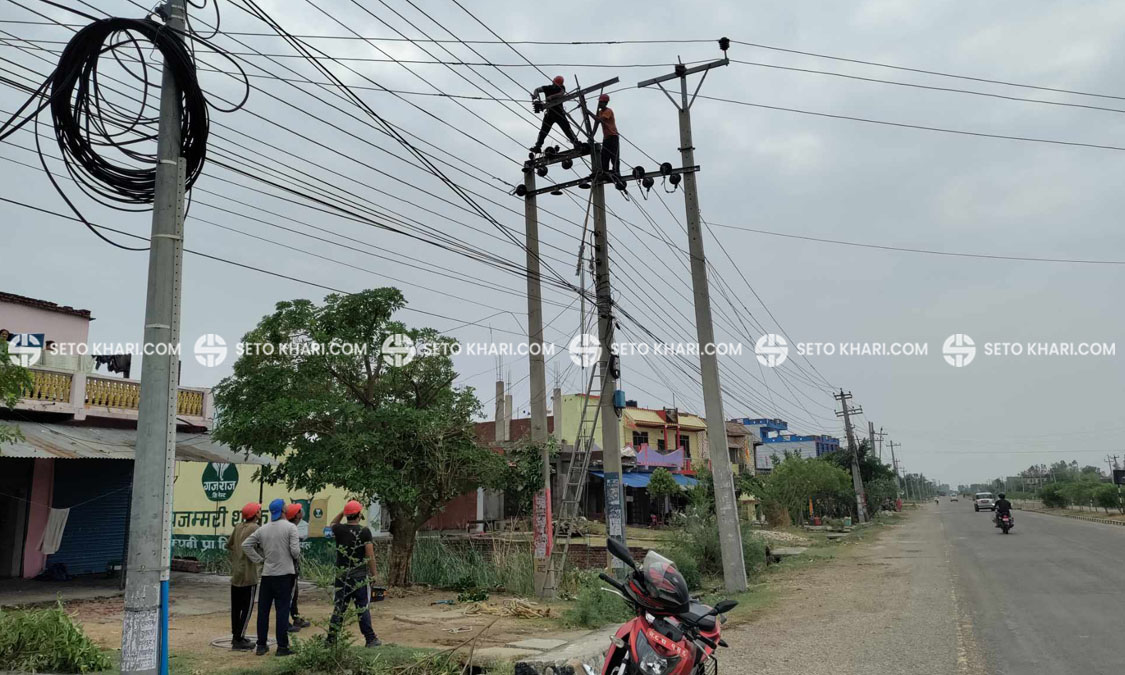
[{"x": 903, "y": 249}]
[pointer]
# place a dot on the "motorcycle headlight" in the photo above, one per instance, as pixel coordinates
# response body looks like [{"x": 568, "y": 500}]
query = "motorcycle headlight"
[{"x": 649, "y": 661}]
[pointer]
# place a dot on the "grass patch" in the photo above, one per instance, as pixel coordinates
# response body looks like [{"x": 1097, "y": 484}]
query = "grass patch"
[
  {"x": 593, "y": 607},
  {"x": 35, "y": 640}
]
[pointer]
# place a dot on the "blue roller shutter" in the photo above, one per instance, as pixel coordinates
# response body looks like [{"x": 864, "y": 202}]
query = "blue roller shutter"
[{"x": 95, "y": 530}]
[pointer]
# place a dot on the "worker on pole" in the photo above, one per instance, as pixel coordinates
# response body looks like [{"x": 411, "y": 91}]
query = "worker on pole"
[
  {"x": 552, "y": 114},
  {"x": 611, "y": 141}
]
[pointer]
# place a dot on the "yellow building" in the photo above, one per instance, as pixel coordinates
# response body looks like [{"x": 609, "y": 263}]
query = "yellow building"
[{"x": 664, "y": 430}]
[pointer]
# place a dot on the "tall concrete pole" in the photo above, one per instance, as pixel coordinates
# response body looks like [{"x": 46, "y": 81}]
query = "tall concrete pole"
[
  {"x": 538, "y": 380},
  {"x": 857, "y": 478},
  {"x": 607, "y": 362},
  {"x": 726, "y": 506},
  {"x": 894, "y": 463},
  {"x": 144, "y": 632}
]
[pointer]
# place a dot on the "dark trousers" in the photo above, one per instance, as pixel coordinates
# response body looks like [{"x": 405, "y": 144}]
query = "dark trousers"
[
  {"x": 293, "y": 610},
  {"x": 611, "y": 153},
  {"x": 349, "y": 590},
  {"x": 276, "y": 592},
  {"x": 241, "y": 605},
  {"x": 554, "y": 116}
]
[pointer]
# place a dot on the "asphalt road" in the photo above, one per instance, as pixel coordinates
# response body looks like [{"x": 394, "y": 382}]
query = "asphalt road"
[{"x": 1047, "y": 599}]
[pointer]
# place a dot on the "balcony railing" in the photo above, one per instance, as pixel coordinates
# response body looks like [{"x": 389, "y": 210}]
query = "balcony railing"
[{"x": 84, "y": 395}]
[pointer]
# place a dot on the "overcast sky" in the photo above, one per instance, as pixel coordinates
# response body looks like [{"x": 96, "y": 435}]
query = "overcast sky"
[{"x": 763, "y": 169}]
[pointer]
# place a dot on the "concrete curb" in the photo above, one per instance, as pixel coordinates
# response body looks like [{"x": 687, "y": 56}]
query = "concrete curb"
[
  {"x": 568, "y": 659},
  {"x": 1104, "y": 521}
]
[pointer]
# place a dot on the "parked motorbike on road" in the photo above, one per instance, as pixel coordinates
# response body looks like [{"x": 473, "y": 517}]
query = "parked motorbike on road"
[
  {"x": 1005, "y": 522},
  {"x": 671, "y": 633}
]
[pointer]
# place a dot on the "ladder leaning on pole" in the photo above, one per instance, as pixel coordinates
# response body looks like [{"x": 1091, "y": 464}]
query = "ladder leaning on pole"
[{"x": 574, "y": 488}]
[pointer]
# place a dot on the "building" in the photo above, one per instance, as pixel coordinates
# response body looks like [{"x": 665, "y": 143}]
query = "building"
[
  {"x": 776, "y": 441},
  {"x": 78, "y": 429}
]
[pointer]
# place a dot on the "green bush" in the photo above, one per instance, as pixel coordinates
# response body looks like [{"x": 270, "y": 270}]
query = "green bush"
[
  {"x": 687, "y": 566},
  {"x": 1107, "y": 497},
  {"x": 697, "y": 551},
  {"x": 1053, "y": 497},
  {"x": 34, "y": 640},
  {"x": 466, "y": 568},
  {"x": 594, "y": 607}
]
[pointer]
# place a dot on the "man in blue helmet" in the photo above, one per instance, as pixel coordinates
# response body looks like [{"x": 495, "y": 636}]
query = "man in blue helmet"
[{"x": 276, "y": 545}]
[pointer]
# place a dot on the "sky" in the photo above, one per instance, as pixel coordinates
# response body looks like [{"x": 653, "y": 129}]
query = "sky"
[{"x": 778, "y": 171}]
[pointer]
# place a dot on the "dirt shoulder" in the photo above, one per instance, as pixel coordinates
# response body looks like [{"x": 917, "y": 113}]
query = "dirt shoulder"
[{"x": 883, "y": 604}]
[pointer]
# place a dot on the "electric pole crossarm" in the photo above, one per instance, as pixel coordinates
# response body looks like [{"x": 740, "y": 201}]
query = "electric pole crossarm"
[
  {"x": 580, "y": 92},
  {"x": 683, "y": 71},
  {"x": 625, "y": 179}
]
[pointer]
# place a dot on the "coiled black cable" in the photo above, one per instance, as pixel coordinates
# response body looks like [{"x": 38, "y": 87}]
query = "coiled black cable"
[{"x": 85, "y": 121}]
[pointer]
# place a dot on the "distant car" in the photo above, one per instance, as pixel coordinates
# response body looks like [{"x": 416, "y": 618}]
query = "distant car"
[
  {"x": 952, "y": 498},
  {"x": 983, "y": 500}
]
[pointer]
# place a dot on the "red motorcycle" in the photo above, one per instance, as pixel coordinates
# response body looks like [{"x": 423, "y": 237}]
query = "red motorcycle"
[{"x": 671, "y": 634}]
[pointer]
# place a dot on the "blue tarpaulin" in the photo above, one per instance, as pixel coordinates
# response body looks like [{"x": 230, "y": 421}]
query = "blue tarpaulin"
[{"x": 640, "y": 479}]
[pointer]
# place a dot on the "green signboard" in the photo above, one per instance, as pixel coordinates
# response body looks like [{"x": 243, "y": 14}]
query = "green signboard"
[{"x": 219, "y": 481}]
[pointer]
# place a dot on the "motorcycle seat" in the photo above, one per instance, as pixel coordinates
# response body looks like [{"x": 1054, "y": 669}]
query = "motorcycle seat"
[{"x": 695, "y": 616}]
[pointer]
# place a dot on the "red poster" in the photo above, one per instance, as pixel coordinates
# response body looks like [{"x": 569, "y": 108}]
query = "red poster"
[{"x": 543, "y": 528}]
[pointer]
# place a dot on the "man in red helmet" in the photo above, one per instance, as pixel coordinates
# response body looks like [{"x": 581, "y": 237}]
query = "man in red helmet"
[
  {"x": 554, "y": 114},
  {"x": 243, "y": 577},
  {"x": 611, "y": 141},
  {"x": 294, "y": 512},
  {"x": 355, "y": 570}
]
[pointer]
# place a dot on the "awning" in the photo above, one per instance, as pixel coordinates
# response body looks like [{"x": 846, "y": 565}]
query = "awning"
[
  {"x": 688, "y": 421},
  {"x": 636, "y": 479},
  {"x": 642, "y": 417},
  {"x": 65, "y": 441}
]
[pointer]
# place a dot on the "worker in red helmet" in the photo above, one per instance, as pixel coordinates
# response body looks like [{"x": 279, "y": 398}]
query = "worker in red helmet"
[
  {"x": 355, "y": 571},
  {"x": 552, "y": 114},
  {"x": 294, "y": 512},
  {"x": 611, "y": 141},
  {"x": 243, "y": 577}
]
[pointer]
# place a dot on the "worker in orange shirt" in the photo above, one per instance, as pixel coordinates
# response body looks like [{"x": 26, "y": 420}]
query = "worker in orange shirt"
[{"x": 611, "y": 141}]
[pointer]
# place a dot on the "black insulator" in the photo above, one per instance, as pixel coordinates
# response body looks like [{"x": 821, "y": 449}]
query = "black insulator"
[
  {"x": 666, "y": 169},
  {"x": 521, "y": 190},
  {"x": 552, "y": 149},
  {"x": 647, "y": 182},
  {"x": 724, "y": 43},
  {"x": 674, "y": 180},
  {"x": 557, "y": 193},
  {"x": 638, "y": 172},
  {"x": 619, "y": 184},
  {"x": 585, "y": 185},
  {"x": 541, "y": 171},
  {"x": 567, "y": 163}
]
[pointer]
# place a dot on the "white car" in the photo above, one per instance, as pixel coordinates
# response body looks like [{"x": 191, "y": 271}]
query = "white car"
[{"x": 983, "y": 500}]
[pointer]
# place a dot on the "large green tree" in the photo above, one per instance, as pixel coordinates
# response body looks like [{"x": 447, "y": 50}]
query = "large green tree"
[
  {"x": 13, "y": 380},
  {"x": 795, "y": 480},
  {"x": 662, "y": 484},
  {"x": 352, "y": 418}
]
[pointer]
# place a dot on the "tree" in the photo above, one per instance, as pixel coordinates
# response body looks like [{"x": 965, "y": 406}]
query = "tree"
[
  {"x": 662, "y": 484},
  {"x": 796, "y": 480},
  {"x": 1052, "y": 496},
  {"x": 1106, "y": 496},
  {"x": 13, "y": 380},
  {"x": 702, "y": 494},
  {"x": 523, "y": 476},
  {"x": 318, "y": 395}
]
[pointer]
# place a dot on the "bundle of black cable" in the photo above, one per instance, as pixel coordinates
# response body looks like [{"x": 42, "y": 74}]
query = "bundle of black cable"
[{"x": 85, "y": 120}]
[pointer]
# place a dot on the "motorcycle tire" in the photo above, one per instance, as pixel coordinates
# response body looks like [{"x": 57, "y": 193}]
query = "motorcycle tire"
[{"x": 1005, "y": 529}]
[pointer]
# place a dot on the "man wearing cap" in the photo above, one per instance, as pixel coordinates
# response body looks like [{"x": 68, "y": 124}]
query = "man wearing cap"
[
  {"x": 611, "y": 142},
  {"x": 293, "y": 513},
  {"x": 243, "y": 577},
  {"x": 355, "y": 569},
  {"x": 552, "y": 114},
  {"x": 277, "y": 546}
]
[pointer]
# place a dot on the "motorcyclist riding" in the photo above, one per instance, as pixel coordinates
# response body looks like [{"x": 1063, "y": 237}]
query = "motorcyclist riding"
[{"x": 1003, "y": 507}]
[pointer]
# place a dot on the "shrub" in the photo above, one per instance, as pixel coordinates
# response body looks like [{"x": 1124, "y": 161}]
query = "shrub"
[
  {"x": 47, "y": 640},
  {"x": 465, "y": 568},
  {"x": 687, "y": 566},
  {"x": 1106, "y": 497},
  {"x": 699, "y": 549},
  {"x": 594, "y": 608},
  {"x": 1052, "y": 496}
]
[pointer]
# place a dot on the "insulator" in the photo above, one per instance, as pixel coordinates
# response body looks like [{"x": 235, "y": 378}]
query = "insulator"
[
  {"x": 567, "y": 163},
  {"x": 557, "y": 193},
  {"x": 638, "y": 172},
  {"x": 666, "y": 169},
  {"x": 619, "y": 184},
  {"x": 521, "y": 190},
  {"x": 674, "y": 180},
  {"x": 585, "y": 185},
  {"x": 724, "y": 43},
  {"x": 542, "y": 171},
  {"x": 647, "y": 182}
]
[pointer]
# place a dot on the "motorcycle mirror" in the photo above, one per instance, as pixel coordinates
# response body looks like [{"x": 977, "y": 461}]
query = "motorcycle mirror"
[
  {"x": 620, "y": 552},
  {"x": 724, "y": 606}
]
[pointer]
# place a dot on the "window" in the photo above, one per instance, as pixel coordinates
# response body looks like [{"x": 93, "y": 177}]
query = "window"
[
  {"x": 639, "y": 438},
  {"x": 660, "y": 445},
  {"x": 685, "y": 443}
]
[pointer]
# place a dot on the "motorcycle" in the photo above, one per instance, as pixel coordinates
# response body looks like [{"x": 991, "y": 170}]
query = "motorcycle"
[
  {"x": 671, "y": 633},
  {"x": 1005, "y": 522}
]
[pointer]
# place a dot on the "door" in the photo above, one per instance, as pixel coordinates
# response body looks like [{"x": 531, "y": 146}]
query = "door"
[{"x": 15, "y": 489}]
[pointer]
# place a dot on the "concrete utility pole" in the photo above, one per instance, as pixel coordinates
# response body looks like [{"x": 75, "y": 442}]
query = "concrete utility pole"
[
  {"x": 144, "y": 632},
  {"x": 726, "y": 505},
  {"x": 538, "y": 382},
  {"x": 857, "y": 479},
  {"x": 608, "y": 365},
  {"x": 894, "y": 463}
]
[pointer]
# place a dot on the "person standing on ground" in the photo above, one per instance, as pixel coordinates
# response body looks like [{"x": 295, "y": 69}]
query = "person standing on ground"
[
  {"x": 276, "y": 545},
  {"x": 552, "y": 114},
  {"x": 355, "y": 570},
  {"x": 294, "y": 513},
  {"x": 243, "y": 577},
  {"x": 611, "y": 141}
]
